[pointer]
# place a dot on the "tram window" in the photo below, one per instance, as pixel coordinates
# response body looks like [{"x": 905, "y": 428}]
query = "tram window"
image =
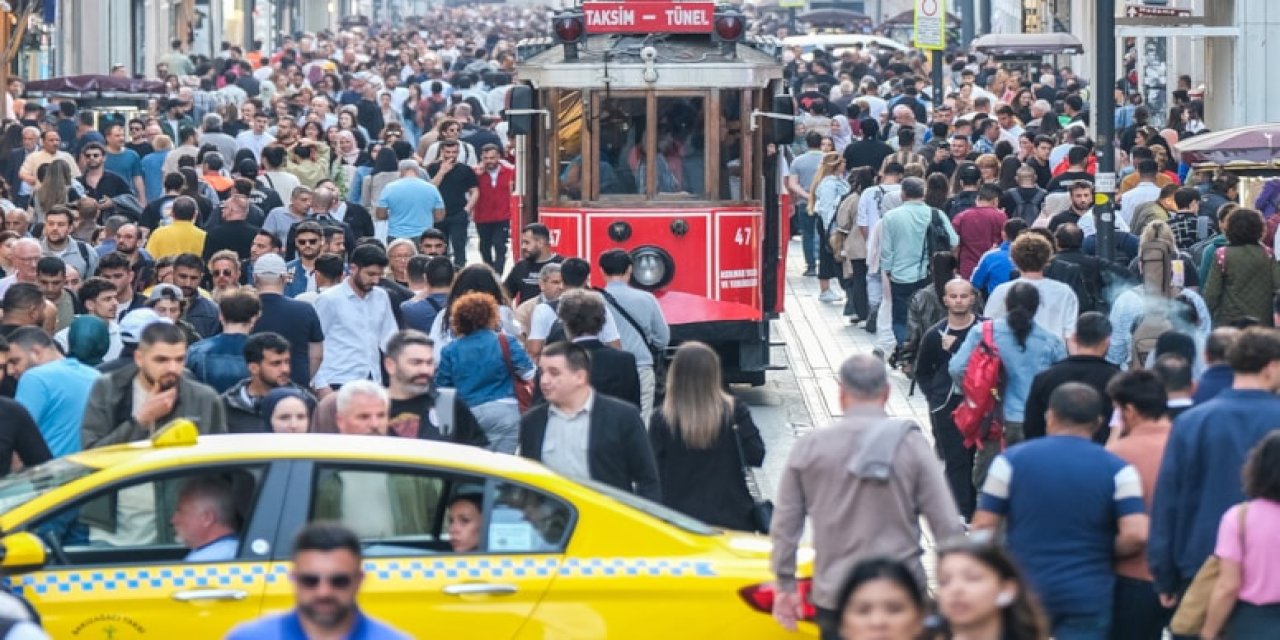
[
  {"x": 569, "y": 143},
  {"x": 681, "y": 150},
  {"x": 730, "y": 178},
  {"x": 620, "y": 131}
]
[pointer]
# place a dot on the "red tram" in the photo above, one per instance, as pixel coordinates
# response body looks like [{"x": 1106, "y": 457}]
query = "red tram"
[{"x": 649, "y": 126}]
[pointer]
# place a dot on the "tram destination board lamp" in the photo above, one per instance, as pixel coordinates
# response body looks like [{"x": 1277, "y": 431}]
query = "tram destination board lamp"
[
  {"x": 728, "y": 28},
  {"x": 569, "y": 28}
]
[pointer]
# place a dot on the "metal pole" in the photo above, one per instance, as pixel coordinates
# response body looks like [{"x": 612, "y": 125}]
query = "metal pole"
[
  {"x": 937, "y": 78},
  {"x": 985, "y": 11},
  {"x": 791, "y": 21},
  {"x": 1104, "y": 120},
  {"x": 4, "y": 59},
  {"x": 967, "y": 21}
]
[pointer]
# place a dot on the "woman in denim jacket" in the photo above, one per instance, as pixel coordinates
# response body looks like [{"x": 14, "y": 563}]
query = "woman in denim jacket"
[
  {"x": 1026, "y": 349},
  {"x": 475, "y": 365}
]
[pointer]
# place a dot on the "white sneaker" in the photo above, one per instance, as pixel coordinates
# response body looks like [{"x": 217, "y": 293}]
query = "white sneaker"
[{"x": 829, "y": 295}]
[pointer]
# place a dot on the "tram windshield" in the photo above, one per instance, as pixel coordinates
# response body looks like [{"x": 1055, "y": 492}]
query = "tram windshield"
[{"x": 679, "y": 145}]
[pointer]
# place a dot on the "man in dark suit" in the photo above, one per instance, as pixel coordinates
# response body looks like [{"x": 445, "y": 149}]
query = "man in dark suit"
[
  {"x": 584, "y": 434},
  {"x": 12, "y": 162},
  {"x": 1087, "y": 363},
  {"x": 613, "y": 371}
]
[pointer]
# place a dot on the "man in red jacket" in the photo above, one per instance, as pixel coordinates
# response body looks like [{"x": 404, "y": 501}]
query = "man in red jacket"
[{"x": 493, "y": 206}]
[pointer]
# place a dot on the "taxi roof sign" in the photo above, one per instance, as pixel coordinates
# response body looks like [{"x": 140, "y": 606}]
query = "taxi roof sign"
[
  {"x": 649, "y": 17},
  {"x": 179, "y": 433}
]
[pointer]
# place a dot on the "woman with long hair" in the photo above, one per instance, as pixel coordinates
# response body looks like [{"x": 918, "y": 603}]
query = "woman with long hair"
[
  {"x": 881, "y": 600},
  {"x": 53, "y": 190},
  {"x": 937, "y": 190},
  {"x": 476, "y": 364},
  {"x": 385, "y": 171},
  {"x": 852, "y": 253},
  {"x": 701, "y": 439},
  {"x": 983, "y": 596},
  {"x": 1246, "y": 601},
  {"x": 1026, "y": 349},
  {"x": 988, "y": 167},
  {"x": 410, "y": 115},
  {"x": 826, "y": 191},
  {"x": 474, "y": 278}
]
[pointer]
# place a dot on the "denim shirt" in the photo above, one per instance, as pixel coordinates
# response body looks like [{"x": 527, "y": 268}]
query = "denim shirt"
[
  {"x": 1020, "y": 367},
  {"x": 219, "y": 361},
  {"x": 474, "y": 365}
]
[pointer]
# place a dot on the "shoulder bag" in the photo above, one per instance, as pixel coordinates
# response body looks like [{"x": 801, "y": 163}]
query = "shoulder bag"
[
  {"x": 761, "y": 507},
  {"x": 523, "y": 388},
  {"x": 659, "y": 358},
  {"x": 1189, "y": 618}
]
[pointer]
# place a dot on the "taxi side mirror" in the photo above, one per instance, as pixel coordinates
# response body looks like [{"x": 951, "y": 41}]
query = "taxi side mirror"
[
  {"x": 520, "y": 119},
  {"x": 22, "y": 551},
  {"x": 784, "y": 129}
]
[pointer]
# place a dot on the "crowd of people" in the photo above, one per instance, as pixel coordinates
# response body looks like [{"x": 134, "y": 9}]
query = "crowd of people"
[
  {"x": 1103, "y": 417},
  {"x": 280, "y": 245}
]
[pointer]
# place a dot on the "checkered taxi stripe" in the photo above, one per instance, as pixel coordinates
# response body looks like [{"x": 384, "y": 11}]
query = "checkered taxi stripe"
[{"x": 219, "y": 576}]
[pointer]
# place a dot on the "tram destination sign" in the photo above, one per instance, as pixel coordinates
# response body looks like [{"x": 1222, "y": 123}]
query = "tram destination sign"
[{"x": 648, "y": 17}]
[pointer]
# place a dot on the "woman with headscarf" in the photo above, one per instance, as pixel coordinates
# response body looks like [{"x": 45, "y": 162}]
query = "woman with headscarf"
[
  {"x": 347, "y": 159},
  {"x": 286, "y": 410},
  {"x": 88, "y": 339}
]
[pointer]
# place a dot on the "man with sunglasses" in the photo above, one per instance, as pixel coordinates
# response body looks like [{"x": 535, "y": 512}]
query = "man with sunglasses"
[
  {"x": 100, "y": 183},
  {"x": 308, "y": 239},
  {"x": 326, "y": 579}
]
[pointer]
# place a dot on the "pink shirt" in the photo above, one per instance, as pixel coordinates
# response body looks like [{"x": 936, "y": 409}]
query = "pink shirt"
[{"x": 1260, "y": 559}]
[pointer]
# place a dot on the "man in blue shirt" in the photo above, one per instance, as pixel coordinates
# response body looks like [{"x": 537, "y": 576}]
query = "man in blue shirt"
[
  {"x": 125, "y": 162},
  {"x": 53, "y": 388},
  {"x": 205, "y": 520},
  {"x": 430, "y": 278},
  {"x": 1072, "y": 508},
  {"x": 1200, "y": 472},
  {"x": 326, "y": 579},
  {"x": 995, "y": 267},
  {"x": 410, "y": 205}
]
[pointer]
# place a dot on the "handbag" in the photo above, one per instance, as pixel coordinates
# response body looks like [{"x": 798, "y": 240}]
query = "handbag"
[
  {"x": 523, "y": 388},
  {"x": 761, "y": 507},
  {"x": 1189, "y": 618}
]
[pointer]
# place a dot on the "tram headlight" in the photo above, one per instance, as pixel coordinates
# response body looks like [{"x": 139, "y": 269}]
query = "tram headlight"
[{"x": 652, "y": 268}]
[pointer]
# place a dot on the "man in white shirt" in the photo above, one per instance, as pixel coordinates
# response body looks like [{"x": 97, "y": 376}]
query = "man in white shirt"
[
  {"x": 575, "y": 272},
  {"x": 357, "y": 321},
  {"x": 1146, "y": 191},
  {"x": 257, "y": 138},
  {"x": 1059, "y": 306}
]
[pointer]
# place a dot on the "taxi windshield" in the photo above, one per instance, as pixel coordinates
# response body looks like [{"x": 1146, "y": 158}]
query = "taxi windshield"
[
  {"x": 667, "y": 515},
  {"x": 19, "y": 488}
]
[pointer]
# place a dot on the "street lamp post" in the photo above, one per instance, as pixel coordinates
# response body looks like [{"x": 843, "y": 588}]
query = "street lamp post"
[
  {"x": 1105, "y": 123},
  {"x": 5, "y": 16}
]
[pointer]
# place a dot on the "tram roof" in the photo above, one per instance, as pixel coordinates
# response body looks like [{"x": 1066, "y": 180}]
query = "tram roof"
[{"x": 683, "y": 62}]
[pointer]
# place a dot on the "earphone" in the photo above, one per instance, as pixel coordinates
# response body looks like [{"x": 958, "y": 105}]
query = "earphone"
[{"x": 1004, "y": 599}]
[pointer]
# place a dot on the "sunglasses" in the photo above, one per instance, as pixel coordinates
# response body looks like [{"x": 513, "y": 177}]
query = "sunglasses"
[
  {"x": 92, "y": 156},
  {"x": 306, "y": 242},
  {"x": 337, "y": 580},
  {"x": 223, "y": 273}
]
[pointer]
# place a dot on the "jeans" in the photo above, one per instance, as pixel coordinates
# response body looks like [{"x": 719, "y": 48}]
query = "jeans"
[
  {"x": 809, "y": 226},
  {"x": 901, "y": 295},
  {"x": 1093, "y": 626},
  {"x": 855, "y": 290},
  {"x": 500, "y": 421},
  {"x": 1136, "y": 613},
  {"x": 647, "y": 384},
  {"x": 455, "y": 228},
  {"x": 1252, "y": 621},
  {"x": 957, "y": 460},
  {"x": 493, "y": 243},
  {"x": 1013, "y": 434}
]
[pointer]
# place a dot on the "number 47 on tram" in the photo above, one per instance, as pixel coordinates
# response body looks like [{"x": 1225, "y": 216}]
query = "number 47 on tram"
[{"x": 653, "y": 127}]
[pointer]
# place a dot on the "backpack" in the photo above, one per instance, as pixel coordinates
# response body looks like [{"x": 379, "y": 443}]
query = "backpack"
[
  {"x": 978, "y": 418},
  {"x": 1028, "y": 210},
  {"x": 936, "y": 239},
  {"x": 556, "y": 332},
  {"x": 1155, "y": 265},
  {"x": 835, "y": 234}
]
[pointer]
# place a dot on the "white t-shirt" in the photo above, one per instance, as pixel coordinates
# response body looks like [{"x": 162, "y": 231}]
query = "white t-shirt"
[
  {"x": 1058, "y": 309},
  {"x": 544, "y": 317}
]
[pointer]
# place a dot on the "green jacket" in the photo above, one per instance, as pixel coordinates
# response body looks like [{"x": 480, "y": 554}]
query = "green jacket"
[
  {"x": 108, "y": 419},
  {"x": 1242, "y": 284},
  {"x": 414, "y": 501}
]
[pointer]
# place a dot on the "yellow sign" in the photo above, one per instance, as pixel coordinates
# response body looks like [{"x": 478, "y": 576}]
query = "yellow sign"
[
  {"x": 793, "y": 4},
  {"x": 929, "y": 30}
]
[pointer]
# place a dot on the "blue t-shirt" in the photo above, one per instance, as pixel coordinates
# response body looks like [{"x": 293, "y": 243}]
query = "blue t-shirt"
[
  {"x": 1062, "y": 496},
  {"x": 55, "y": 394},
  {"x": 411, "y": 205},
  {"x": 286, "y": 626},
  {"x": 298, "y": 323},
  {"x": 219, "y": 361},
  {"x": 420, "y": 314},
  {"x": 126, "y": 164}
]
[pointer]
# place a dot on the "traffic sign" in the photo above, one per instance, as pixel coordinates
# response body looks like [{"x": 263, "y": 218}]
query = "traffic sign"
[
  {"x": 1148, "y": 11},
  {"x": 649, "y": 17},
  {"x": 793, "y": 4},
  {"x": 929, "y": 30}
]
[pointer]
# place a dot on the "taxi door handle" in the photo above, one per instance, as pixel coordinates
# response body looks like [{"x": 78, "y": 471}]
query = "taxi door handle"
[
  {"x": 479, "y": 588},
  {"x": 201, "y": 595}
]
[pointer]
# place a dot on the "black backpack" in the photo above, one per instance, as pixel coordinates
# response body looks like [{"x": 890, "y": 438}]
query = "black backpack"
[
  {"x": 936, "y": 238},
  {"x": 1028, "y": 210},
  {"x": 556, "y": 333}
]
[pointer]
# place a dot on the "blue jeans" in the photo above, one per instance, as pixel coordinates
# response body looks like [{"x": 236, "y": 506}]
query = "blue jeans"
[
  {"x": 1092, "y": 626},
  {"x": 808, "y": 235},
  {"x": 500, "y": 421},
  {"x": 901, "y": 298},
  {"x": 455, "y": 229}
]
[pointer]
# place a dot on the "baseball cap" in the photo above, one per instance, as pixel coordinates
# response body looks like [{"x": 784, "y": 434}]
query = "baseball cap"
[
  {"x": 165, "y": 290},
  {"x": 134, "y": 322},
  {"x": 969, "y": 173},
  {"x": 269, "y": 265}
]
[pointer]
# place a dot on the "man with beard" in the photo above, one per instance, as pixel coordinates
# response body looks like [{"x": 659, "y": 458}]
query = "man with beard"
[
  {"x": 294, "y": 320},
  {"x": 308, "y": 239},
  {"x": 100, "y": 183},
  {"x": 326, "y": 578},
  {"x": 535, "y": 248},
  {"x": 201, "y": 312},
  {"x": 114, "y": 268},
  {"x": 432, "y": 243},
  {"x": 357, "y": 321},
  {"x": 129, "y": 404},
  {"x": 59, "y": 243},
  {"x": 458, "y": 186},
  {"x": 50, "y": 150},
  {"x": 418, "y": 408},
  {"x": 124, "y": 162},
  {"x": 235, "y": 233},
  {"x": 267, "y": 355},
  {"x": 491, "y": 212}
]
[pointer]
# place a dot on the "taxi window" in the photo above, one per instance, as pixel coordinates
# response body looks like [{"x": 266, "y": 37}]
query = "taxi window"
[
  {"x": 394, "y": 511},
  {"x": 666, "y": 514},
  {"x": 525, "y": 520},
  {"x": 19, "y": 488},
  {"x": 157, "y": 519}
]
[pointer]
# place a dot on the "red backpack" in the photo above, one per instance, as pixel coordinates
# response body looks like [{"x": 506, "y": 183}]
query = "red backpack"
[{"x": 979, "y": 417}]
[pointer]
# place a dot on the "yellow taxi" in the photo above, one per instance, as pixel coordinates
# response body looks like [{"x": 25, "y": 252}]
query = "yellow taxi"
[{"x": 88, "y": 540}]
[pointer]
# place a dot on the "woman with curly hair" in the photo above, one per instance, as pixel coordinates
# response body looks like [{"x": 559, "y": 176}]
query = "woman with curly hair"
[
  {"x": 480, "y": 364},
  {"x": 1243, "y": 278}
]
